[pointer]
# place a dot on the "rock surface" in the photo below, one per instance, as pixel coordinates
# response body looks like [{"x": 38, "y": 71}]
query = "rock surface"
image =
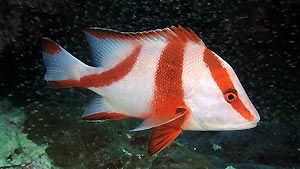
[{"x": 16, "y": 150}]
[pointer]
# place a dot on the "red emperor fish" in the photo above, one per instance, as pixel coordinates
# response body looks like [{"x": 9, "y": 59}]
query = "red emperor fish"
[{"x": 166, "y": 77}]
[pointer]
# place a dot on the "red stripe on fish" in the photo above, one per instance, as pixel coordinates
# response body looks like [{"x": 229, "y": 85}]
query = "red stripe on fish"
[
  {"x": 105, "y": 78},
  {"x": 50, "y": 47},
  {"x": 221, "y": 77},
  {"x": 168, "y": 94}
]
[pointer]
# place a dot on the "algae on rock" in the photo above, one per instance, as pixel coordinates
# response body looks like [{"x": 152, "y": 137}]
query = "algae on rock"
[{"x": 16, "y": 150}]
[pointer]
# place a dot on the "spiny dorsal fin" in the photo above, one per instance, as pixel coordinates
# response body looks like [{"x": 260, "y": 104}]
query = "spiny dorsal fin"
[
  {"x": 107, "y": 43},
  {"x": 153, "y": 35}
]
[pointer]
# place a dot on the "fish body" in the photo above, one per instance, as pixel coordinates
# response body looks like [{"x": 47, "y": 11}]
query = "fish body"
[{"x": 168, "y": 78}]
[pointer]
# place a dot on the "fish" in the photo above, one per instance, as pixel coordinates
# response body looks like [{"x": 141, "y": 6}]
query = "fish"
[{"x": 167, "y": 77}]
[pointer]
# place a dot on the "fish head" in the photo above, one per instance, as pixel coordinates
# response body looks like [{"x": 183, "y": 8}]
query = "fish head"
[{"x": 220, "y": 101}]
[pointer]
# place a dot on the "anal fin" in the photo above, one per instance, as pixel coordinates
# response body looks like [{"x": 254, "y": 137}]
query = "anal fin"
[
  {"x": 101, "y": 116},
  {"x": 98, "y": 110}
]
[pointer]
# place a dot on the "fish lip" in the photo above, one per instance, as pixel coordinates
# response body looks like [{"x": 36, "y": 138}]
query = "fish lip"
[
  {"x": 236, "y": 127},
  {"x": 246, "y": 126}
]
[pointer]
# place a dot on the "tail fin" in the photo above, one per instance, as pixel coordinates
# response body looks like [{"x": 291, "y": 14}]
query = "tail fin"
[{"x": 63, "y": 69}]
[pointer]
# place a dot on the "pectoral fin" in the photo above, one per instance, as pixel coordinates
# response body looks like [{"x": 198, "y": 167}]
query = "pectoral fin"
[
  {"x": 163, "y": 135},
  {"x": 160, "y": 119}
]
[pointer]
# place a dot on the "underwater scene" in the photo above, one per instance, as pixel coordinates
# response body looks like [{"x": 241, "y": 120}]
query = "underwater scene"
[{"x": 166, "y": 95}]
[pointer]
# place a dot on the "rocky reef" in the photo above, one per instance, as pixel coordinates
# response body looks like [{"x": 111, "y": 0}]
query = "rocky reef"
[
  {"x": 99, "y": 145},
  {"x": 61, "y": 140},
  {"x": 17, "y": 151}
]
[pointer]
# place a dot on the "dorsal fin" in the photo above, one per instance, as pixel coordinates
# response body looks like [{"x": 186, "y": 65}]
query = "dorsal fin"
[
  {"x": 101, "y": 33},
  {"x": 107, "y": 43},
  {"x": 153, "y": 35}
]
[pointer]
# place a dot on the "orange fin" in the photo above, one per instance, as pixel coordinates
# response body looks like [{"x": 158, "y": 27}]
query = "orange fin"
[
  {"x": 160, "y": 119},
  {"x": 163, "y": 135}
]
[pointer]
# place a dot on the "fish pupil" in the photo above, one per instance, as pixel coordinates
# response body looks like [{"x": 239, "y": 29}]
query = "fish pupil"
[{"x": 230, "y": 97}]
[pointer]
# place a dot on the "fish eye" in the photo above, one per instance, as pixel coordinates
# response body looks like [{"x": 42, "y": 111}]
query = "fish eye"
[{"x": 230, "y": 95}]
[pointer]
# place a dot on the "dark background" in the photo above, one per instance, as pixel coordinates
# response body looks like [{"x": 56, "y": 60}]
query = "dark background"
[{"x": 259, "y": 39}]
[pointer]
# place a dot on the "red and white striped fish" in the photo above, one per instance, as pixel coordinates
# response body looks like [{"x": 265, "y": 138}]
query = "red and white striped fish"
[{"x": 168, "y": 78}]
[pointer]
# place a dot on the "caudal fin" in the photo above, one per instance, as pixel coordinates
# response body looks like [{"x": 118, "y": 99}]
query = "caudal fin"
[{"x": 63, "y": 69}]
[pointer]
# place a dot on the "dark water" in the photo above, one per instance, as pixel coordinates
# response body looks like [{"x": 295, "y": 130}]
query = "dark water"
[{"x": 260, "y": 40}]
